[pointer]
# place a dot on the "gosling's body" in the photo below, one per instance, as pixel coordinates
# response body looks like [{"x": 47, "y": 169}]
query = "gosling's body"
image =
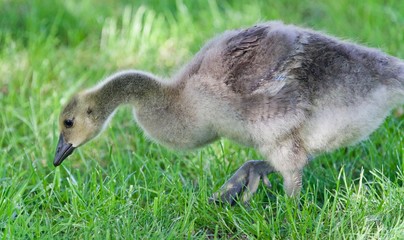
[{"x": 289, "y": 92}]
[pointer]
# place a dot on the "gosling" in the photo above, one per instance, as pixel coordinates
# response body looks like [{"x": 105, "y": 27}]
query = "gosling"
[{"x": 289, "y": 92}]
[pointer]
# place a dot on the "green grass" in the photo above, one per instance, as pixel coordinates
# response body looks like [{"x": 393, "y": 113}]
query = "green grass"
[{"x": 122, "y": 185}]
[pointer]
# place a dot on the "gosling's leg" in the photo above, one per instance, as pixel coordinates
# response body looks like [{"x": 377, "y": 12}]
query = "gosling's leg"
[
  {"x": 245, "y": 180},
  {"x": 292, "y": 182},
  {"x": 289, "y": 159}
]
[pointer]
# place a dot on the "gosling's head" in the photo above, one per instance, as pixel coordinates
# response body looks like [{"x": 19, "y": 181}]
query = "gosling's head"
[{"x": 81, "y": 120}]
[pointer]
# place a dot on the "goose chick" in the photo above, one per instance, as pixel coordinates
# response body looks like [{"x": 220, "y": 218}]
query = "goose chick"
[{"x": 290, "y": 92}]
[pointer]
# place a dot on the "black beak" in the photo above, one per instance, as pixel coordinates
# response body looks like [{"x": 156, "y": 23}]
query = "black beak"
[{"x": 62, "y": 151}]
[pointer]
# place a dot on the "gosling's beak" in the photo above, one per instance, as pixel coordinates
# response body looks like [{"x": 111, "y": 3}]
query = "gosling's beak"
[{"x": 63, "y": 150}]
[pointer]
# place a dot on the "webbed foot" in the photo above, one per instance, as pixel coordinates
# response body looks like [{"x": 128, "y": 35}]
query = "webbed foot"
[{"x": 245, "y": 181}]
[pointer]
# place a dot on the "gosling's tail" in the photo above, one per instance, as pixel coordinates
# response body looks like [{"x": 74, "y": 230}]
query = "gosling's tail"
[
  {"x": 401, "y": 80},
  {"x": 396, "y": 81},
  {"x": 401, "y": 73}
]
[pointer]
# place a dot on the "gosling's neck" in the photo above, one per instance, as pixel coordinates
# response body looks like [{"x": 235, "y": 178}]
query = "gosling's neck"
[{"x": 128, "y": 87}]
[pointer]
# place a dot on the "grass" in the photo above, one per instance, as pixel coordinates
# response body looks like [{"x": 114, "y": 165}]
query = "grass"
[{"x": 122, "y": 185}]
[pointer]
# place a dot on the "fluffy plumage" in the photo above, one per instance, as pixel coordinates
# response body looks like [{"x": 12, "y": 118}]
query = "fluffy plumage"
[{"x": 289, "y": 92}]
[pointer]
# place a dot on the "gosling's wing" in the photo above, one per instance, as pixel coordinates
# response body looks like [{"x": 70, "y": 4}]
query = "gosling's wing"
[
  {"x": 248, "y": 71},
  {"x": 254, "y": 59},
  {"x": 259, "y": 63}
]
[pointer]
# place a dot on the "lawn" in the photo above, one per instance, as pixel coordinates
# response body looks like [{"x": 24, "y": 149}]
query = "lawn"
[{"x": 122, "y": 186}]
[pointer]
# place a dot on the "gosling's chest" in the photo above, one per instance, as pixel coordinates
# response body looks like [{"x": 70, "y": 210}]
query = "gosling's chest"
[{"x": 173, "y": 128}]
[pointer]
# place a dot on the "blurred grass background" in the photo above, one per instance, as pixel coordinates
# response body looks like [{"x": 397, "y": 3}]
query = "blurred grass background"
[{"x": 123, "y": 186}]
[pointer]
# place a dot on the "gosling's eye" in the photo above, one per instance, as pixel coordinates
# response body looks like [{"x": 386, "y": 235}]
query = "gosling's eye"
[{"x": 68, "y": 123}]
